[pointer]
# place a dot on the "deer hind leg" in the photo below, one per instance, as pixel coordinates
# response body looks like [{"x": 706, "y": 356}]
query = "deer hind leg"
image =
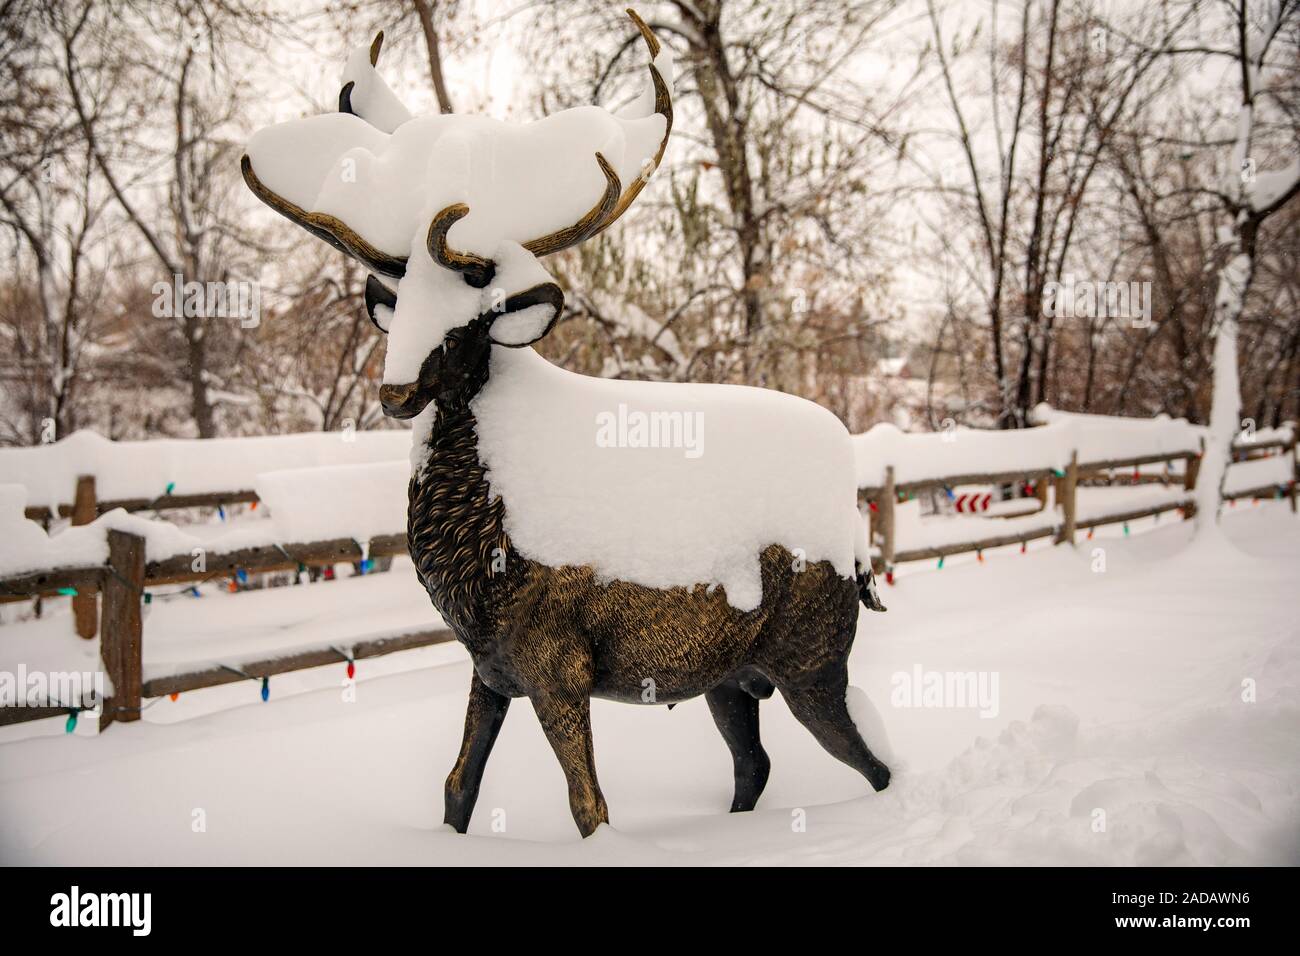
[
  {"x": 483, "y": 718},
  {"x": 735, "y": 711},
  {"x": 566, "y": 721},
  {"x": 822, "y": 708}
]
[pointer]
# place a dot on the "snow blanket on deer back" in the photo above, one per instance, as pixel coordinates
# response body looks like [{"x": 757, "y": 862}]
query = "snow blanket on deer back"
[{"x": 664, "y": 484}]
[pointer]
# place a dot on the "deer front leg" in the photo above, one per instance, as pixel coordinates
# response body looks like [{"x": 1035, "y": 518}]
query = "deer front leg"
[
  {"x": 483, "y": 718},
  {"x": 566, "y": 720}
]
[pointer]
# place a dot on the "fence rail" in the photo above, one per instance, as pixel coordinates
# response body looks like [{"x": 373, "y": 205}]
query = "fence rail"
[
  {"x": 1263, "y": 491},
  {"x": 317, "y": 657},
  {"x": 165, "y": 502},
  {"x": 85, "y": 507},
  {"x": 179, "y": 569}
]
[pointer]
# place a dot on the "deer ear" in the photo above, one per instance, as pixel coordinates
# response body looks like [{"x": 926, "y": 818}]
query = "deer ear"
[
  {"x": 380, "y": 303},
  {"x": 528, "y": 316}
]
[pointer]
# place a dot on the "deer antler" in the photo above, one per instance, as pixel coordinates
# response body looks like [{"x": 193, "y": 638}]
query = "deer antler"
[
  {"x": 478, "y": 271},
  {"x": 664, "y": 107},
  {"x": 345, "y": 94},
  {"x": 599, "y": 218},
  {"x": 324, "y": 226}
]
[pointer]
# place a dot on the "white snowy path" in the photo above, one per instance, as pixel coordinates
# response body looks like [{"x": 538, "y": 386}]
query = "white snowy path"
[{"x": 1119, "y": 692}]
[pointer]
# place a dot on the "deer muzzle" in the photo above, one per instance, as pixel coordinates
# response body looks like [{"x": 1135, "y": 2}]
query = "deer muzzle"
[{"x": 401, "y": 401}]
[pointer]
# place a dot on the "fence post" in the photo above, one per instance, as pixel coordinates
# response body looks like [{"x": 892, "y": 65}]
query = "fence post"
[
  {"x": 1295, "y": 472},
  {"x": 85, "y": 510},
  {"x": 886, "y": 506},
  {"x": 1065, "y": 495},
  {"x": 1191, "y": 469},
  {"x": 1040, "y": 492},
  {"x": 121, "y": 645}
]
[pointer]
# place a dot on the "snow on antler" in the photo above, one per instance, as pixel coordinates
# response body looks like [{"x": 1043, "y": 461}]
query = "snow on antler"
[
  {"x": 365, "y": 93},
  {"x": 376, "y": 173}
]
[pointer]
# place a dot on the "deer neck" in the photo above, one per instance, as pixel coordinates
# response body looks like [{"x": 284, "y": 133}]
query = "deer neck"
[{"x": 455, "y": 527}]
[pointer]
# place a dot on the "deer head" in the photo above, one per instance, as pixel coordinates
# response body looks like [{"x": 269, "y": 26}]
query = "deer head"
[{"x": 458, "y": 209}]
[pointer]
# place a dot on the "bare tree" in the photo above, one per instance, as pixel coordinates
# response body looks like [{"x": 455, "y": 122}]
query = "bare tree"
[
  {"x": 1056, "y": 98},
  {"x": 169, "y": 161},
  {"x": 752, "y": 259},
  {"x": 1250, "y": 196},
  {"x": 51, "y": 209}
]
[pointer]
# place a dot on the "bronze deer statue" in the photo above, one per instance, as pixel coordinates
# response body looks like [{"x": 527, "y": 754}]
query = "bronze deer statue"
[{"x": 537, "y": 622}]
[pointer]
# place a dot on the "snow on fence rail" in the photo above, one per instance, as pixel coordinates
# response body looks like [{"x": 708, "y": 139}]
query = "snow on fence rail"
[
  {"x": 1258, "y": 477},
  {"x": 344, "y": 513},
  {"x": 175, "y": 473}
]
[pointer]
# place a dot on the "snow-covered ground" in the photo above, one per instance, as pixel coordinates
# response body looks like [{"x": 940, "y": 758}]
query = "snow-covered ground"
[{"x": 1147, "y": 714}]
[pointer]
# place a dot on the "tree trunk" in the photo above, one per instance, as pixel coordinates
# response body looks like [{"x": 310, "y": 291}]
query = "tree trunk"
[
  {"x": 196, "y": 367},
  {"x": 1225, "y": 403},
  {"x": 728, "y": 130},
  {"x": 425, "y": 9}
]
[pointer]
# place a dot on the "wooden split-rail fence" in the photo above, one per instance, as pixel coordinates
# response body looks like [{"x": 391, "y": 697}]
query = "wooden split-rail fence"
[
  {"x": 122, "y": 584},
  {"x": 882, "y": 501}
]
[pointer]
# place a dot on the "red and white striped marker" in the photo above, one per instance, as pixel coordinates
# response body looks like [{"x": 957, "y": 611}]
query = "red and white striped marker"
[{"x": 971, "y": 503}]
